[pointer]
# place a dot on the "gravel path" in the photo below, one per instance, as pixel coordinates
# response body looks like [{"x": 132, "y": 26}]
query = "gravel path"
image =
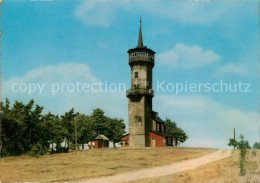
[{"x": 162, "y": 170}]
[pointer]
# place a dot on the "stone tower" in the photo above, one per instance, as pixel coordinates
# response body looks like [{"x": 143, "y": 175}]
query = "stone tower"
[{"x": 141, "y": 61}]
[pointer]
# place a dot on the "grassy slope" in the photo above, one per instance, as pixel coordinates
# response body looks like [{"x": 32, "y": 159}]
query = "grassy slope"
[
  {"x": 91, "y": 163},
  {"x": 226, "y": 170}
]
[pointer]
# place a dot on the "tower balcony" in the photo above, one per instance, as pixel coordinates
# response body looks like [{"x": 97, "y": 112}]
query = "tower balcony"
[
  {"x": 139, "y": 59},
  {"x": 140, "y": 91}
]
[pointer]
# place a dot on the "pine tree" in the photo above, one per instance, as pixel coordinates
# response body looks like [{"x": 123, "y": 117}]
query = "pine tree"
[{"x": 171, "y": 128}]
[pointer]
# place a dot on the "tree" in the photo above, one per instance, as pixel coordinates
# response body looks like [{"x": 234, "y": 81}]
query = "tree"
[
  {"x": 86, "y": 129},
  {"x": 99, "y": 119},
  {"x": 21, "y": 128},
  {"x": 116, "y": 129},
  {"x": 4, "y": 108},
  {"x": 171, "y": 128},
  {"x": 67, "y": 121},
  {"x": 1, "y": 144},
  {"x": 54, "y": 132},
  {"x": 243, "y": 145},
  {"x": 257, "y": 145},
  {"x": 13, "y": 143},
  {"x": 38, "y": 130},
  {"x": 10, "y": 139},
  {"x": 25, "y": 130},
  {"x": 233, "y": 142}
]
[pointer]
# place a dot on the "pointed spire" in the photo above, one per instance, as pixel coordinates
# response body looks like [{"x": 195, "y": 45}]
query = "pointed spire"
[{"x": 140, "y": 38}]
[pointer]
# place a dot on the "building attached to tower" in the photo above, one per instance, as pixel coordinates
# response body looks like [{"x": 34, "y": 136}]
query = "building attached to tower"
[{"x": 146, "y": 129}]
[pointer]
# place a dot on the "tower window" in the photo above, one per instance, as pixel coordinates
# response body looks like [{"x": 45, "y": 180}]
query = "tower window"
[
  {"x": 136, "y": 111},
  {"x": 136, "y": 74},
  {"x": 138, "y": 119}
]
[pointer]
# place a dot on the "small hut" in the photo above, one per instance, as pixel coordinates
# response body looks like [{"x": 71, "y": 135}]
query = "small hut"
[{"x": 101, "y": 141}]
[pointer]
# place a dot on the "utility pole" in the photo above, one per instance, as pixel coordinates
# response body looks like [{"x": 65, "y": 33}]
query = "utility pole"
[
  {"x": 76, "y": 140},
  {"x": 234, "y": 136}
]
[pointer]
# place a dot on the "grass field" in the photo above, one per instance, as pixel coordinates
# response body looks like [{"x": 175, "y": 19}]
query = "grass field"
[
  {"x": 91, "y": 163},
  {"x": 223, "y": 171}
]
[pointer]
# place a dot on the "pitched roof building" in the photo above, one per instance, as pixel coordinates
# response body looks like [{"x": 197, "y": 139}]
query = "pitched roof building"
[{"x": 101, "y": 141}]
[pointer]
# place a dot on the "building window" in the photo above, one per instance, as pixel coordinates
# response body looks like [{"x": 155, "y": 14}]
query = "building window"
[
  {"x": 162, "y": 128},
  {"x": 157, "y": 127},
  {"x": 156, "y": 115},
  {"x": 136, "y": 74}
]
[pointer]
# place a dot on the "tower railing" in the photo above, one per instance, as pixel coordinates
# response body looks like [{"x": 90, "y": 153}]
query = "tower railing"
[
  {"x": 138, "y": 91},
  {"x": 141, "y": 58}
]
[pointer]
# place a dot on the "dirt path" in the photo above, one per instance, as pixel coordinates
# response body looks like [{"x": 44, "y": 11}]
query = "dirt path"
[{"x": 163, "y": 170}]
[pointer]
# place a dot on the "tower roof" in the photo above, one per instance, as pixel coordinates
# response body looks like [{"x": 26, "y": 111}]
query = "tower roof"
[
  {"x": 140, "y": 37},
  {"x": 140, "y": 46}
]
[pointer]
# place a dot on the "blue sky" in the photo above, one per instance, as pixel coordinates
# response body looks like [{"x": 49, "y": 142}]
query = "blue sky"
[{"x": 87, "y": 41}]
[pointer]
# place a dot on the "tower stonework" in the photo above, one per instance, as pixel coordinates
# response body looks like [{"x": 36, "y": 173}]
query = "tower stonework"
[{"x": 141, "y": 61}]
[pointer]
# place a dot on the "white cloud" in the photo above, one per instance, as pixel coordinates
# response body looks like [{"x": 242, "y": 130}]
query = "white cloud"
[
  {"x": 63, "y": 72},
  {"x": 202, "y": 13},
  {"x": 94, "y": 13},
  {"x": 188, "y": 57},
  {"x": 113, "y": 103},
  {"x": 232, "y": 69},
  {"x": 104, "y": 12},
  {"x": 98, "y": 13},
  {"x": 202, "y": 117},
  {"x": 205, "y": 118}
]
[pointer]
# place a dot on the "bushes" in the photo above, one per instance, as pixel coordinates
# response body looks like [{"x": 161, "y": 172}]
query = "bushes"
[
  {"x": 243, "y": 145},
  {"x": 26, "y": 130},
  {"x": 256, "y": 145},
  {"x": 37, "y": 150}
]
